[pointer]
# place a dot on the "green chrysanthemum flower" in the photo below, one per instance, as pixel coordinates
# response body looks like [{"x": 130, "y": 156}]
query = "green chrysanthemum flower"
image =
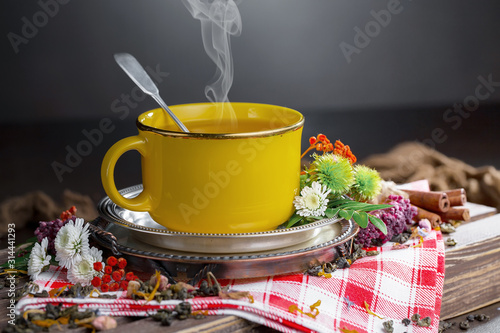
[
  {"x": 334, "y": 172},
  {"x": 367, "y": 184}
]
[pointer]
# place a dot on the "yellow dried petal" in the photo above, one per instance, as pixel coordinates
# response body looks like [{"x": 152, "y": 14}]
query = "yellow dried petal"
[
  {"x": 323, "y": 274},
  {"x": 371, "y": 312},
  {"x": 314, "y": 309},
  {"x": 158, "y": 280}
]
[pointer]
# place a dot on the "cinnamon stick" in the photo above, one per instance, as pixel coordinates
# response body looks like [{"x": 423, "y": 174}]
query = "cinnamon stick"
[
  {"x": 433, "y": 201},
  {"x": 457, "y": 197},
  {"x": 434, "y": 218},
  {"x": 456, "y": 213}
]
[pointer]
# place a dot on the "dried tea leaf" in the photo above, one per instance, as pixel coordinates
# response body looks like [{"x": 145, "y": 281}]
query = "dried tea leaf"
[{"x": 388, "y": 326}]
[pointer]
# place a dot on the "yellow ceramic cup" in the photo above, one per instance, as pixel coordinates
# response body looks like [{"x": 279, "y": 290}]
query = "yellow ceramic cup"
[{"x": 220, "y": 177}]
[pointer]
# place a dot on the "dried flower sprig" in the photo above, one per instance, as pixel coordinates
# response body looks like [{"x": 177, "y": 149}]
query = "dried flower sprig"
[
  {"x": 68, "y": 239},
  {"x": 321, "y": 143},
  {"x": 367, "y": 183},
  {"x": 327, "y": 183},
  {"x": 344, "y": 151}
]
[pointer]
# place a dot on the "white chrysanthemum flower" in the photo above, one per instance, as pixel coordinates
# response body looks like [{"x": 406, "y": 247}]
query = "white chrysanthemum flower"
[
  {"x": 39, "y": 259},
  {"x": 72, "y": 243},
  {"x": 312, "y": 200},
  {"x": 83, "y": 271}
]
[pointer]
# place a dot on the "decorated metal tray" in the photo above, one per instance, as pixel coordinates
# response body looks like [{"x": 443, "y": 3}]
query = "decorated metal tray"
[
  {"x": 142, "y": 227},
  {"x": 327, "y": 245}
]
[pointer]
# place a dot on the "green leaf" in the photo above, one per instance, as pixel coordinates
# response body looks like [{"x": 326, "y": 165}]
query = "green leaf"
[
  {"x": 361, "y": 218},
  {"x": 370, "y": 207},
  {"x": 346, "y": 214},
  {"x": 363, "y": 206},
  {"x": 293, "y": 220},
  {"x": 331, "y": 212},
  {"x": 338, "y": 202},
  {"x": 379, "y": 224}
]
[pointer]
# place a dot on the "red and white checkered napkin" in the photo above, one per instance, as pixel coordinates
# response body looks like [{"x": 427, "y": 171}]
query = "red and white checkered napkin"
[{"x": 395, "y": 284}]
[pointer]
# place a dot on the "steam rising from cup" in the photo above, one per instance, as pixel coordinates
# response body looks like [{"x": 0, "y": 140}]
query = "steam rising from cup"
[{"x": 220, "y": 19}]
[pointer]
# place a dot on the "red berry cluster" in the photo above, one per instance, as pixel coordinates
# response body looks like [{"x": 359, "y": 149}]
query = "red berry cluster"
[{"x": 114, "y": 277}]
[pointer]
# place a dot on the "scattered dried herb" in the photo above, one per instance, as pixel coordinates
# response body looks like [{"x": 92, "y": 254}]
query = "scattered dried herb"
[
  {"x": 425, "y": 322},
  {"x": 367, "y": 307},
  {"x": 464, "y": 325},
  {"x": 54, "y": 315},
  {"x": 388, "y": 326},
  {"x": 406, "y": 321},
  {"x": 443, "y": 326},
  {"x": 482, "y": 317},
  {"x": 401, "y": 238},
  {"x": 447, "y": 228},
  {"x": 342, "y": 263},
  {"x": 450, "y": 242},
  {"x": 314, "y": 309}
]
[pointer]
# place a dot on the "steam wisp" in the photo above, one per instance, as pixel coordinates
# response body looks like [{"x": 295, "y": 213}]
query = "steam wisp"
[{"x": 220, "y": 19}]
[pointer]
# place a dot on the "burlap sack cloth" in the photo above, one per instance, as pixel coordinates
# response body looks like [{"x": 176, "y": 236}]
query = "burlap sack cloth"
[
  {"x": 27, "y": 210},
  {"x": 412, "y": 161}
]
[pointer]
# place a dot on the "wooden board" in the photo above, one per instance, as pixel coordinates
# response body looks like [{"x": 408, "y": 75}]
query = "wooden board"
[{"x": 472, "y": 267}]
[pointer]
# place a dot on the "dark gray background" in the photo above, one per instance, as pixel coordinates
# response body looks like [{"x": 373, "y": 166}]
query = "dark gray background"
[
  {"x": 398, "y": 88},
  {"x": 288, "y": 54}
]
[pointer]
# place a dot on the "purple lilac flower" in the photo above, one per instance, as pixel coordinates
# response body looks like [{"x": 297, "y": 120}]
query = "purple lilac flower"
[
  {"x": 50, "y": 230},
  {"x": 397, "y": 219}
]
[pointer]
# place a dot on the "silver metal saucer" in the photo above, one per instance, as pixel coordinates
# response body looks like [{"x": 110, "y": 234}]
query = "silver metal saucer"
[
  {"x": 332, "y": 241},
  {"x": 141, "y": 226}
]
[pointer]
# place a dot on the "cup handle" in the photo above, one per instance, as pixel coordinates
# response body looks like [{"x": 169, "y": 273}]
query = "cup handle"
[{"x": 142, "y": 202}]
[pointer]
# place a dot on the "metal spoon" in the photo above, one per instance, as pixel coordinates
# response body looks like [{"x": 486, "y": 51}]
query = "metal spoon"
[{"x": 137, "y": 73}]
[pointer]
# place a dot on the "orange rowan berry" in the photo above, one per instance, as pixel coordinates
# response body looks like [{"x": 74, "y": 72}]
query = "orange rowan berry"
[
  {"x": 124, "y": 284},
  {"x": 114, "y": 286},
  {"x": 106, "y": 278},
  {"x": 96, "y": 281},
  {"x": 98, "y": 266},
  {"x": 122, "y": 262},
  {"x": 112, "y": 261}
]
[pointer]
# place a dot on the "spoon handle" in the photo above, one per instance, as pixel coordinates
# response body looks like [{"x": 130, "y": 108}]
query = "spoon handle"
[
  {"x": 136, "y": 72},
  {"x": 165, "y": 107}
]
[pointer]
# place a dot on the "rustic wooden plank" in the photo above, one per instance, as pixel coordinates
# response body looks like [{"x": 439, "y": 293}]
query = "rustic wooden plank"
[
  {"x": 209, "y": 324},
  {"x": 471, "y": 268}
]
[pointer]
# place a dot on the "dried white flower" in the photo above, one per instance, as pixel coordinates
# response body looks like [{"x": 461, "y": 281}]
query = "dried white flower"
[
  {"x": 39, "y": 259},
  {"x": 72, "y": 243},
  {"x": 83, "y": 271},
  {"x": 312, "y": 200}
]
